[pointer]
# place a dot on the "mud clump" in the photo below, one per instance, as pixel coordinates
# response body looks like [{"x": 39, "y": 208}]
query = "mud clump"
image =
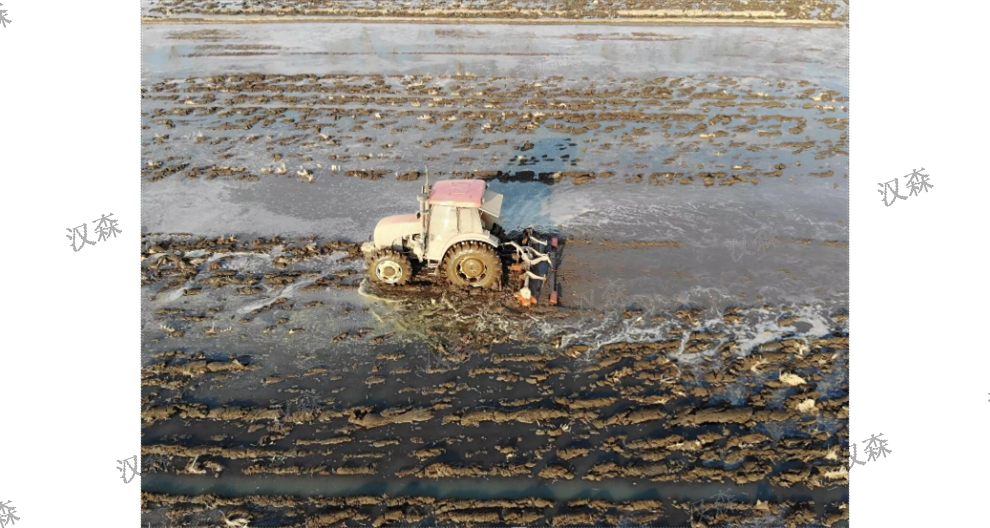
[
  {"x": 367, "y": 174},
  {"x": 391, "y": 416},
  {"x": 523, "y": 416},
  {"x": 556, "y": 472}
]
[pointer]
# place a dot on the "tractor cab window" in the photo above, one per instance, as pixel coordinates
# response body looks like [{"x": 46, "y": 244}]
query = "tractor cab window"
[
  {"x": 469, "y": 220},
  {"x": 443, "y": 222}
]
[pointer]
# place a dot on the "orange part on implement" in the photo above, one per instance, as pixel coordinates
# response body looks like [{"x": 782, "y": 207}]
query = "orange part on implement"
[{"x": 524, "y": 301}]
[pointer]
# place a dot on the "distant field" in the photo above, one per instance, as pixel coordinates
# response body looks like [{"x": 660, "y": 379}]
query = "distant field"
[{"x": 661, "y": 11}]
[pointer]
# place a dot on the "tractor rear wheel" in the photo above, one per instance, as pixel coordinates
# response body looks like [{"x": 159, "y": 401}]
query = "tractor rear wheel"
[
  {"x": 473, "y": 264},
  {"x": 390, "y": 267}
]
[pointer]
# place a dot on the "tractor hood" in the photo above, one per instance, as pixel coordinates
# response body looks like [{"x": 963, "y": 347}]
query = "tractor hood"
[{"x": 391, "y": 229}]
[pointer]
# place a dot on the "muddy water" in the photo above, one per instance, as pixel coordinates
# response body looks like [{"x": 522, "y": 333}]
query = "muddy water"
[{"x": 494, "y": 488}]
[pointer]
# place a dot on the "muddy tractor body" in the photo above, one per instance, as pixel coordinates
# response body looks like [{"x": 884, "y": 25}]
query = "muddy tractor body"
[{"x": 457, "y": 232}]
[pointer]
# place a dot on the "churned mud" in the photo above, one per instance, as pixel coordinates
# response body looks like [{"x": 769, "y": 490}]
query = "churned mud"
[
  {"x": 272, "y": 357},
  {"x": 656, "y": 412}
]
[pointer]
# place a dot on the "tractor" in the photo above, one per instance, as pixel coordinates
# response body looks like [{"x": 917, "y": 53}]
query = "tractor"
[{"x": 457, "y": 231}]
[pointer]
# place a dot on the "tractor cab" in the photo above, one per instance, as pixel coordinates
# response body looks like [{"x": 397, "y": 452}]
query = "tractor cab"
[
  {"x": 457, "y": 209},
  {"x": 458, "y": 228}
]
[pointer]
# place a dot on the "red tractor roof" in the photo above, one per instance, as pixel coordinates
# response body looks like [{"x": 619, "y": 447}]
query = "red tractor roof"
[{"x": 458, "y": 193}]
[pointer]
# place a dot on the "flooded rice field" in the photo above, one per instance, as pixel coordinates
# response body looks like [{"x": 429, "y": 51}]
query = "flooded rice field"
[{"x": 695, "y": 373}]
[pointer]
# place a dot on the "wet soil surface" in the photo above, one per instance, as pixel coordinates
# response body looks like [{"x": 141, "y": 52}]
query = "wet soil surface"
[
  {"x": 275, "y": 358},
  {"x": 549, "y": 130},
  {"x": 213, "y": 510}
]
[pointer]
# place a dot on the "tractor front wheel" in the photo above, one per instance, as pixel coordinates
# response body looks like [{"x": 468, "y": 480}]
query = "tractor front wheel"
[
  {"x": 390, "y": 267},
  {"x": 473, "y": 264}
]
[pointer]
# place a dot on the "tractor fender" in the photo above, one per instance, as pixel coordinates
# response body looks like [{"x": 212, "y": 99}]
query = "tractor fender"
[{"x": 489, "y": 239}]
